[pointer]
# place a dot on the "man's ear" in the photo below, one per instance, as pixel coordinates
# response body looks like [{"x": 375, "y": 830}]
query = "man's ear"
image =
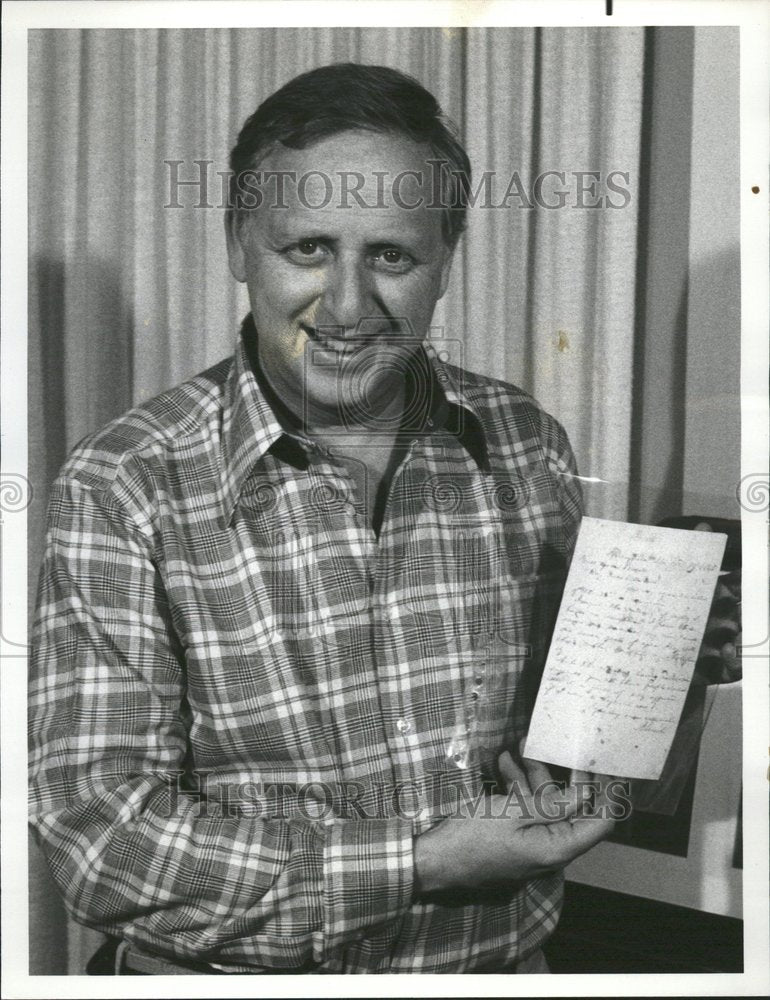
[
  {"x": 446, "y": 267},
  {"x": 235, "y": 253}
]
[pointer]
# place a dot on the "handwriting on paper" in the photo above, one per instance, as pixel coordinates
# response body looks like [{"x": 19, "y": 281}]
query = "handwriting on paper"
[{"x": 624, "y": 648}]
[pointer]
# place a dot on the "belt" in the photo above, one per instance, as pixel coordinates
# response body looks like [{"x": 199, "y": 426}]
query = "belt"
[
  {"x": 132, "y": 961},
  {"x": 123, "y": 958}
]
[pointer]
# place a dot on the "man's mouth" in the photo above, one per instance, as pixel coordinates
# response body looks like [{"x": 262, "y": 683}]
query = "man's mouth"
[
  {"x": 329, "y": 338},
  {"x": 332, "y": 338}
]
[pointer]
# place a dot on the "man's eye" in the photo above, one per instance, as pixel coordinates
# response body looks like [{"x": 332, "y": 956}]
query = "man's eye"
[
  {"x": 306, "y": 252},
  {"x": 392, "y": 259}
]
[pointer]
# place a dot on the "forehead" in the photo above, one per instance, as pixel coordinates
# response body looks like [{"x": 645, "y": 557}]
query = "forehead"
[{"x": 356, "y": 180}]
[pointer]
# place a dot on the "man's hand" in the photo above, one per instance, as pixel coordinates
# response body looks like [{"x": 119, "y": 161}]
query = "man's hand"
[
  {"x": 522, "y": 835},
  {"x": 718, "y": 660}
]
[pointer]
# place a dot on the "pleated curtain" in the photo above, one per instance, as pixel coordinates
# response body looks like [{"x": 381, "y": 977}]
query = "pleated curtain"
[{"x": 129, "y": 296}]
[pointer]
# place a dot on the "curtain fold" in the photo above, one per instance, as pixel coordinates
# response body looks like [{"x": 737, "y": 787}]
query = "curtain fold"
[{"x": 566, "y": 333}]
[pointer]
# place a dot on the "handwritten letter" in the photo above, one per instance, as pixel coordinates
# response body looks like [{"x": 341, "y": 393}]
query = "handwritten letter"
[{"x": 627, "y": 637}]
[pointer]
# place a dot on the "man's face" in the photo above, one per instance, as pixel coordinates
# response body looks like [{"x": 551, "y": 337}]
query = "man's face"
[{"x": 342, "y": 294}]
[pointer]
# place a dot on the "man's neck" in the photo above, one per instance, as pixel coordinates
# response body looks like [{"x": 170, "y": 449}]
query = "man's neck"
[
  {"x": 381, "y": 422},
  {"x": 403, "y": 411}
]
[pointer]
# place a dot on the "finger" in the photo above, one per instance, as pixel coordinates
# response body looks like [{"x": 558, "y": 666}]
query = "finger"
[
  {"x": 727, "y": 620},
  {"x": 710, "y": 670},
  {"x": 725, "y": 588},
  {"x": 539, "y": 776},
  {"x": 581, "y": 790},
  {"x": 717, "y": 652},
  {"x": 537, "y": 773},
  {"x": 553, "y": 800},
  {"x": 555, "y": 845},
  {"x": 579, "y": 778},
  {"x": 732, "y": 669},
  {"x": 506, "y": 766},
  {"x": 552, "y": 803},
  {"x": 719, "y": 664},
  {"x": 587, "y": 832},
  {"x": 605, "y": 780},
  {"x": 717, "y": 624},
  {"x": 596, "y": 800},
  {"x": 512, "y": 774},
  {"x": 546, "y": 801},
  {"x": 725, "y": 607}
]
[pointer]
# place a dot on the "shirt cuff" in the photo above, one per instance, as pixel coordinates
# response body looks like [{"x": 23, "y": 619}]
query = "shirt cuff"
[{"x": 368, "y": 876}]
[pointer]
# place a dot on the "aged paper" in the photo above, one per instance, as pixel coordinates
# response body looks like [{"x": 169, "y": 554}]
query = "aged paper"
[{"x": 626, "y": 640}]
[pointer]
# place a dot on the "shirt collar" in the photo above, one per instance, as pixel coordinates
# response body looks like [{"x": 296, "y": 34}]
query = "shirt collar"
[
  {"x": 461, "y": 413},
  {"x": 250, "y": 426}
]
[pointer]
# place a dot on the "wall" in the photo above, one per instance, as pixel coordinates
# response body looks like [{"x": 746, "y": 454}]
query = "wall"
[{"x": 691, "y": 305}]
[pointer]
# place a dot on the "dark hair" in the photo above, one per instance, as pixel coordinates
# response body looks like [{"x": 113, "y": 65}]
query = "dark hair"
[{"x": 344, "y": 96}]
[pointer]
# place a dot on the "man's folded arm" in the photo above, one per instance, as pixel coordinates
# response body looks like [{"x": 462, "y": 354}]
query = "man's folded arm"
[{"x": 130, "y": 849}]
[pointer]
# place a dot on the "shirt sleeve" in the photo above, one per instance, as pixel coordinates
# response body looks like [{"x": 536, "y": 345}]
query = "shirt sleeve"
[
  {"x": 561, "y": 461},
  {"x": 132, "y": 851}
]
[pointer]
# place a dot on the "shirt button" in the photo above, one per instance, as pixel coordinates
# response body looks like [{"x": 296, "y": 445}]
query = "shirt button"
[{"x": 404, "y": 726}]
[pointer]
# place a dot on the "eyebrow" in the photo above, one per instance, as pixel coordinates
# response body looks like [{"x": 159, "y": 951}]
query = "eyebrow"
[
  {"x": 288, "y": 235},
  {"x": 292, "y": 226}
]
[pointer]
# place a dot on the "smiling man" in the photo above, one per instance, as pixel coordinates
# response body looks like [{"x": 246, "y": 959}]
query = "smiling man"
[
  {"x": 293, "y": 612},
  {"x": 342, "y": 291}
]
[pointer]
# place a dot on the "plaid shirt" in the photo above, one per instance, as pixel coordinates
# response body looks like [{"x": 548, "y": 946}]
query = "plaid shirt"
[{"x": 245, "y": 706}]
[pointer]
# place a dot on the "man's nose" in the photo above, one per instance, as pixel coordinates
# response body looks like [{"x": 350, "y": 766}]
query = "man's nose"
[{"x": 348, "y": 296}]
